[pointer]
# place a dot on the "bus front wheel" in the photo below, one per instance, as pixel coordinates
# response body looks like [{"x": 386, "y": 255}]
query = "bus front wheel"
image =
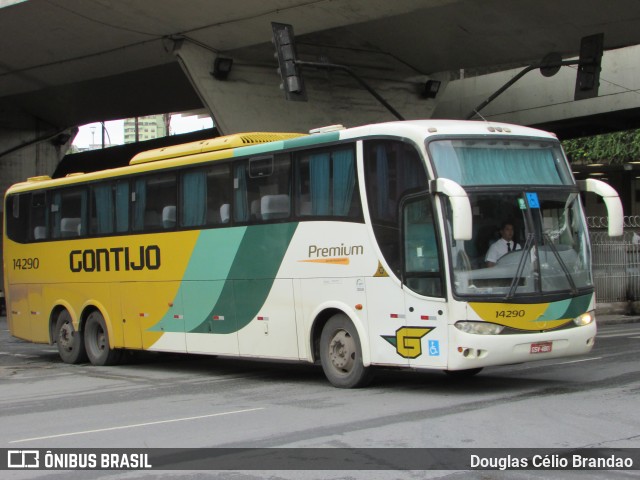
[
  {"x": 341, "y": 354},
  {"x": 70, "y": 343},
  {"x": 96, "y": 340}
]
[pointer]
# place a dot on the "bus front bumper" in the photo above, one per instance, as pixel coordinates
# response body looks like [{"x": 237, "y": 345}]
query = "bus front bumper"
[{"x": 467, "y": 350}]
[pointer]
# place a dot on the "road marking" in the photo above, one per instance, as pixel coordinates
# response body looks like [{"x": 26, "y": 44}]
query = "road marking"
[
  {"x": 160, "y": 422},
  {"x": 612, "y": 335},
  {"x": 578, "y": 361}
]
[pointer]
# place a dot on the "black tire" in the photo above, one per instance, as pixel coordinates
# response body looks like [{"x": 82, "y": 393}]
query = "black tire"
[
  {"x": 341, "y": 354},
  {"x": 69, "y": 341},
  {"x": 96, "y": 340},
  {"x": 463, "y": 373}
]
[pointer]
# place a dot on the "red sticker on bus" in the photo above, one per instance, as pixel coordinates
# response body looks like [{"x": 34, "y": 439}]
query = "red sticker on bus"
[{"x": 542, "y": 347}]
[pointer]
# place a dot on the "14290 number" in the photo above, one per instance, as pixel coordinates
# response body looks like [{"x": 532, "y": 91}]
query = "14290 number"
[
  {"x": 510, "y": 313},
  {"x": 26, "y": 263}
]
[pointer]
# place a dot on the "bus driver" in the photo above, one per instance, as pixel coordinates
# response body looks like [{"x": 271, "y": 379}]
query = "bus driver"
[{"x": 502, "y": 246}]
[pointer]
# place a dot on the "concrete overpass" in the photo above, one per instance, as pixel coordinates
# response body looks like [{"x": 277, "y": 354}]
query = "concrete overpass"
[
  {"x": 71, "y": 62},
  {"x": 548, "y": 103}
]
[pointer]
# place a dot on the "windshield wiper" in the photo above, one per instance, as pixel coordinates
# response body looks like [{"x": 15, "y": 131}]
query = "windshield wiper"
[
  {"x": 514, "y": 283},
  {"x": 563, "y": 266}
]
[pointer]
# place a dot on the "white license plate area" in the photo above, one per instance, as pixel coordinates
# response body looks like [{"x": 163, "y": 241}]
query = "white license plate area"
[{"x": 540, "y": 347}]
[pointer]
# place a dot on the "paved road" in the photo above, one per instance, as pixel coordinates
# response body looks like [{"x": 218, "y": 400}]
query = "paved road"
[{"x": 193, "y": 401}]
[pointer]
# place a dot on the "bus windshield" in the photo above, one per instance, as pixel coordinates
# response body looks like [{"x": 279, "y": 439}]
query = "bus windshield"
[
  {"x": 474, "y": 161},
  {"x": 524, "y": 243},
  {"x": 529, "y": 235}
]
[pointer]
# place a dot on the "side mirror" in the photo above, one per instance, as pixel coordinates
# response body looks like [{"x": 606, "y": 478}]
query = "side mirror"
[
  {"x": 611, "y": 200},
  {"x": 460, "y": 206}
]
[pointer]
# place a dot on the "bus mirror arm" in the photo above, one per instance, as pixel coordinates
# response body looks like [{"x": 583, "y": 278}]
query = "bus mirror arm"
[
  {"x": 611, "y": 201},
  {"x": 460, "y": 206}
]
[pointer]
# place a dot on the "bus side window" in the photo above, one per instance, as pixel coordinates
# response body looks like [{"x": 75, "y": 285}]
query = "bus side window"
[
  {"x": 150, "y": 197},
  {"x": 102, "y": 209},
  {"x": 17, "y": 214},
  {"x": 392, "y": 169},
  {"x": 122, "y": 206},
  {"x": 326, "y": 183},
  {"x": 39, "y": 217},
  {"x": 421, "y": 250},
  {"x": 69, "y": 210},
  {"x": 262, "y": 189},
  {"x": 203, "y": 192}
]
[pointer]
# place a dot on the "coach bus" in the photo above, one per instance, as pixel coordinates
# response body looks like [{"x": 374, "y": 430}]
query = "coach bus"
[{"x": 352, "y": 248}]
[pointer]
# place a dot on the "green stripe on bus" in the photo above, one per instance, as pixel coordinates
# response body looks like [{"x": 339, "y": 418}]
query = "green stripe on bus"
[
  {"x": 229, "y": 278},
  {"x": 203, "y": 281},
  {"x": 251, "y": 277}
]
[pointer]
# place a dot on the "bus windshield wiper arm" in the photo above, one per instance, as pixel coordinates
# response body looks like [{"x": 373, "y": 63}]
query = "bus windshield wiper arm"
[
  {"x": 563, "y": 266},
  {"x": 514, "y": 283}
]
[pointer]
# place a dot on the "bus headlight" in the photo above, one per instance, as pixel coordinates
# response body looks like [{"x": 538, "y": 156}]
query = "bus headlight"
[
  {"x": 479, "y": 328},
  {"x": 584, "y": 319}
]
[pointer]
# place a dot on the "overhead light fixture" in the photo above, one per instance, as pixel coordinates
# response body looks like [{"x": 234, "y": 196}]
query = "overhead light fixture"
[
  {"x": 431, "y": 88},
  {"x": 221, "y": 68}
]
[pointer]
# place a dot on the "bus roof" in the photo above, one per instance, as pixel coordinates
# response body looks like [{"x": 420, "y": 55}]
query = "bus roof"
[
  {"x": 219, "y": 143},
  {"x": 255, "y": 143}
]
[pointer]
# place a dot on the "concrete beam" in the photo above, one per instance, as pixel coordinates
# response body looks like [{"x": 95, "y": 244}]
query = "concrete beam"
[
  {"x": 251, "y": 100},
  {"x": 535, "y": 99}
]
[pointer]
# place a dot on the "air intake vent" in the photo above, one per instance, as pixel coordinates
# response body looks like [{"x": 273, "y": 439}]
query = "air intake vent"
[{"x": 211, "y": 145}]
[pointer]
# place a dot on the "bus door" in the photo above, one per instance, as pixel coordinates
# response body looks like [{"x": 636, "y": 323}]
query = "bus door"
[{"x": 425, "y": 336}]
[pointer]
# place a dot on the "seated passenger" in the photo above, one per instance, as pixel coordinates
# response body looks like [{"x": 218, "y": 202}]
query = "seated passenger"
[{"x": 502, "y": 246}]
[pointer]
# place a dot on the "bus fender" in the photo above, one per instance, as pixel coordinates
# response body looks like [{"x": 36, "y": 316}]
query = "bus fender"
[
  {"x": 59, "y": 305},
  {"x": 340, "y": 307}
]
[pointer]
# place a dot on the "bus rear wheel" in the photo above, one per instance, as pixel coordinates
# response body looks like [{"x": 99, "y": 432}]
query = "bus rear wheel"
[
  {"x": 69, "y": 341},
  {"x": 96, "y": 340},
  {"x": 341, "y": 354}
]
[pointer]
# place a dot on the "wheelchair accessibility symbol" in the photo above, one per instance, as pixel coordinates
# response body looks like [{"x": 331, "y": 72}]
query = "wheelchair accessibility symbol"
[{"x": 434, "y": 348}]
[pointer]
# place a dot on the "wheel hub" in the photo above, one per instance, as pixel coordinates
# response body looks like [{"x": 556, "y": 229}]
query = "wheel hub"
[
  {"x": 342, "y": 351},
  {"x": 65, "y": 337}
]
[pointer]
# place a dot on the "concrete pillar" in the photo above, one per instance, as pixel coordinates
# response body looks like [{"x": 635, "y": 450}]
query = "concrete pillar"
[
  {"x": 23, "y": 156},
  {"x": 251, "y": 100},
  {"x": 29, "y": 148}
]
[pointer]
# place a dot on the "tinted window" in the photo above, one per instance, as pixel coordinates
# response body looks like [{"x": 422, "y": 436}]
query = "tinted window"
[
  {"x": 39, "y": 217},
  {"x": 109, "y": 211},
  {"x": 326, "y": 183},
  {"x": 17, "y": 215},
  {"x": 69, "y": 212},
  {"x": 421, "y": 248},
  {"x": 262, "y": 189},
  {"x": 154, "y": 202},
  {"x": 392, "y": 169},
  {"x": 206, "y": 196}
]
